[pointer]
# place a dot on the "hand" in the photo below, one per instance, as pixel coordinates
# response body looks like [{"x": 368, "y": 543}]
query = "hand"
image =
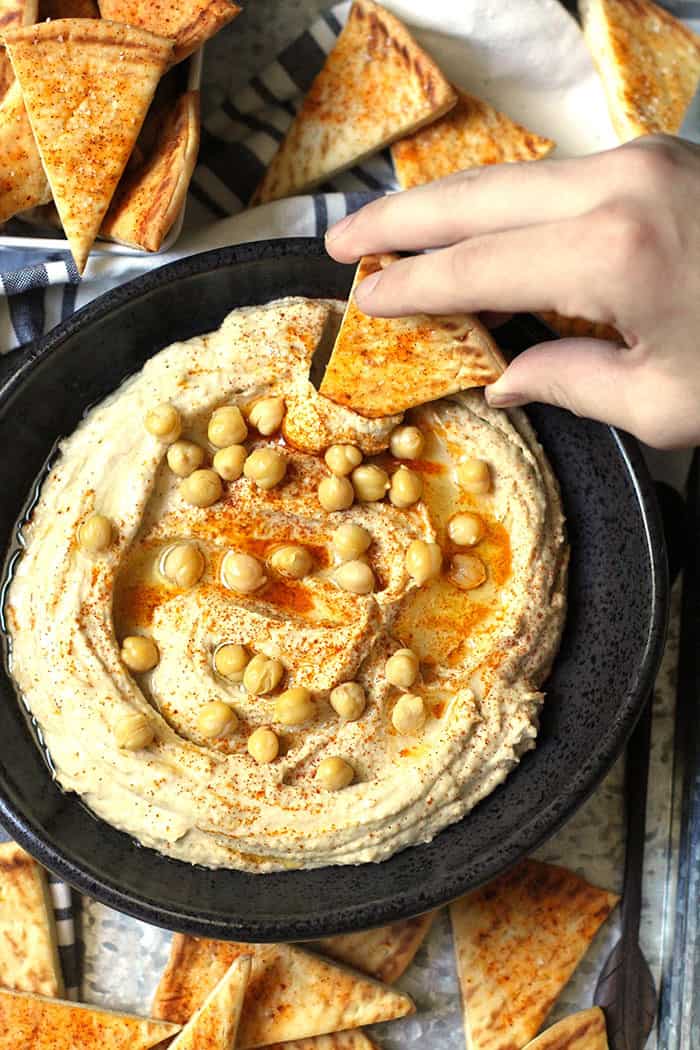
[{"x": 613, "y": 237}]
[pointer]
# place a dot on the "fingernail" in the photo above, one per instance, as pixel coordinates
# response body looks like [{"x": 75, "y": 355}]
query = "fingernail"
[
  {"x": 507, "y": 399},
  {"x": 339, "y": 227},
  {"x": 366, "y": 287}
]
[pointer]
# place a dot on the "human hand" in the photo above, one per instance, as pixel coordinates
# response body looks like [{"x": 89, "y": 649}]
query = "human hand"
[{"x": 614, "y": 237}]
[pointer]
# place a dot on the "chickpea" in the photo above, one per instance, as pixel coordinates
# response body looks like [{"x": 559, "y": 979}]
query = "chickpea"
[
  {"x": 201, "y": 488},
  {"x": 407, "y": 443},
  {"x": 406, "y": 488},
  {"x": 465, "y": 529},
  {"x": 294, "y": 707},
  {"x": 267, "y": 414},
  {"x": 335, "y": 773},
  {"x": 292, "y": 561},
  {"x": 423, "y": 561},
  {"x": 266, "y": 467},
  {"x": 401, "y": 669},
  {"x": 228, "y": 462},
  {"x": 96, "y": 534},
  {"x": 409, "y": 714},
  {"x": 262, "y": 675},
  {"x": 356, "y": 577},
  {"x": 183, "y": 564},
  {"x": 216, "y": 719},
  {"x": 263, "y": 745},
  {"x": 348, "y": 700},
  {"x": 164, "y": 422},
  {"x": 139, "y": 653},
  {"x": 370, "y": 482},
  {"x": 474, "y": 476},
  {"x": 242, "y": 573},
  {"x": 184, "y": 457},
  {"x": 230, "y": 661},
  {"x": 335, "y": 493},
  {"x": 227, "y": 427},
  {"x": 341, "y": 459},
  {"x": 350, "y": 541},
  {"x": 467, "y": 571},
  {"x": 133, "y": 732}
]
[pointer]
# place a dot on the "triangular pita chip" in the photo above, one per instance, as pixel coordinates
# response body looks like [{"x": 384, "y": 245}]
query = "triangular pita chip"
[
  {"x": 469, "y": 136},
  {"x": 190, "y": 23},
  {"x": 384, "y": 953},
  {"x": 87, "y": 85},
  {"x": 22, "y": 180},
  {"x": 214, "y": 1026},
  {"x": 292, "y": 993},
  {"x": 353, "y": 1040},
  {"x": 54, "y": 1024},
  {"x": 648, "y": 60},
  {"x": 13, "y": 13},
  {"x": 382, "y": 365},
  {"x": 68, "y": 9},
  {"x": 579, "y": 327},
  {"x": 376, "y": 86},
  {"x": 517, "y": 942},
  {"x": 150, "y": 196},
  {"x": 581, "y": 1031},
  {"x": 28, "y": 950}
]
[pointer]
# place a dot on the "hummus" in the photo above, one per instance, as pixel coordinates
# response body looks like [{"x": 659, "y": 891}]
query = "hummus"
[{"x": 482, "y": 653}]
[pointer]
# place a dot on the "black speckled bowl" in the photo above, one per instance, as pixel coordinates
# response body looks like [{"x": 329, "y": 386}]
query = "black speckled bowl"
[{"x": 605, "y": 669}]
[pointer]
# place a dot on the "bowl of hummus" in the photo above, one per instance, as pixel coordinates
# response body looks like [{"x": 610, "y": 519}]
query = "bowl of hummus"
[{"x": 273, "y": 669}]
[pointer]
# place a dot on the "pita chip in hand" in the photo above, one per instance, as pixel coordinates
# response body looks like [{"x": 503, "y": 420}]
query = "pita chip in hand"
[
  {"x": 580, "y": 327},
  {"x": 376, "y": 86},
  {"x": 471, "y": 135},
  {"x": 384, "y": 953},
  {"x": 28, "y": 948},
  {"x": 581, "y": 1031},
  {"x": 648, "y": 61},
  {"x": 23, "y": 183},
  {"x": 190, "y": 23},
  {"x": 87, "y": 85},
  {"x": 383, "y": 365},
  {"x": 214, "y": 1026},
  {"x": 517, "y": 941}
]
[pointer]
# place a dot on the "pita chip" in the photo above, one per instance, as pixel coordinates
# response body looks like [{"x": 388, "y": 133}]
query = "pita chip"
[
  {"x": 87, "y": 85},
  {"x": 383, "y": 365},
  {"x": 384, "y": 953},
  {"x": 28, "y": 949},
  {"x": 13, "y": 13},
  {"x": 579, "y": 327},
  {"x": 23, "y": 183},
  {"x": 517, "y": 942},
  {"x": 190, "y": 23},
  {"x": 214, "y": 1026},
  {"x": 648, "y": 61},
  {"x": 377, "y": 85},
  {"x": 53, "y": 1024},
  {"x": 471, "y": 135},
  {"x": 150, "y": 196},
  {"x": 291, "y": 994},
  {"x": 353, "y": 1040},
  {"x": 581, "y": 1031}
]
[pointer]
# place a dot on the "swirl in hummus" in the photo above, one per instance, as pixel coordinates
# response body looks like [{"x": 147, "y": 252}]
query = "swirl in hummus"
[{"x": 274, "y": 779}]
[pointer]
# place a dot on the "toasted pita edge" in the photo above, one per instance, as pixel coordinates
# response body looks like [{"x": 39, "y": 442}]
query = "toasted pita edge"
[
  {"x": 205, "y": 22},
  {"x": 20, "y": 869},
  {"x": 579, "y": 327},
  {"x": 584, "y": 1030}
]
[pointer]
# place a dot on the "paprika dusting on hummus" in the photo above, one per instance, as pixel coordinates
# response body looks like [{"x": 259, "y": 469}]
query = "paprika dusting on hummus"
[{"x": 259, "y": 631}]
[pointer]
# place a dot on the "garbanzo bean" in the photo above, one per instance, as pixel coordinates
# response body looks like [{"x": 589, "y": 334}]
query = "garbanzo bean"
[
  {"x": 409, "y": 714},
  {"x": 348, "y": 700},
  {"x": 465, "y": 529},
  {"x": 263, "y": 745},
  {"x": 184, "y": 457},
  {"x": 164, "y": 422},
  {"x": 139, "y": 653},
  {"x": 230, "y": 661},
  {"x": 406, "y": 488},
  {"x": 407, "y": 443},
  {"x": 370, "y": 482},
  {"x": 201, "y": 488},
  {"x": 341, "y": 459},
  {"x": 227, "y": 426},
  {"x": 467, "y": 571},
  {"x": 267, "y": 414},
  {"x": 183, "y": 564},
  {"x": 263, "y": 674},
  {"x": 292, "y": 561},
  {"x": 356, "y": 577},
  {"x": 242, "y": 572},
  {"x": 423, "y": 561},
  {"x": 96, "y": 534},
  {"x": 474, "y": 476},
  {"x": 133, "y": 732},
  {"x": 401, "y": 669},
  {"x": 335, "y": 493},
  {"x": 294, "y": 706},
  {"x": 266, "y": 467},
  {"x": 350, "y": 541},
  {"x": 229, "y": 462},
  {"x": 216, "y": 719},
  {"x": 335, "y": 773}
]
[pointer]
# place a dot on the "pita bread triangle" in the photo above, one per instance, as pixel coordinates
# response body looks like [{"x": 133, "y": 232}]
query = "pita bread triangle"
[
  {"x": 13, "y": 13},
  {"x": 28, "y": 949},
  {"x": 214, "y": 1026},
  {"x": 648, "y": 60},
  {"x": 87, "y": 85},
  {"x": 517, "y": 941},
  {"x": 383, "y": 365},
  {"x": 23, "y": 183},
  {"x": 190, "y": 23},
  {"x": 580, "y": 327},
  {"x": 376, "y": 86},
  {"x": 384, "y": 953},
  {"x": 352, "y": 1040},
  {"x": 54, "y": 1024},
  {"x": 291, "y": 994},
  {"x": 469, "y": 136},
  {"x": 581, "y": 1031}
]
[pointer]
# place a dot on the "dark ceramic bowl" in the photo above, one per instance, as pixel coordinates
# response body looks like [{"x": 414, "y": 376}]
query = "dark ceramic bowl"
[{"x": 602, "y": 676}]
